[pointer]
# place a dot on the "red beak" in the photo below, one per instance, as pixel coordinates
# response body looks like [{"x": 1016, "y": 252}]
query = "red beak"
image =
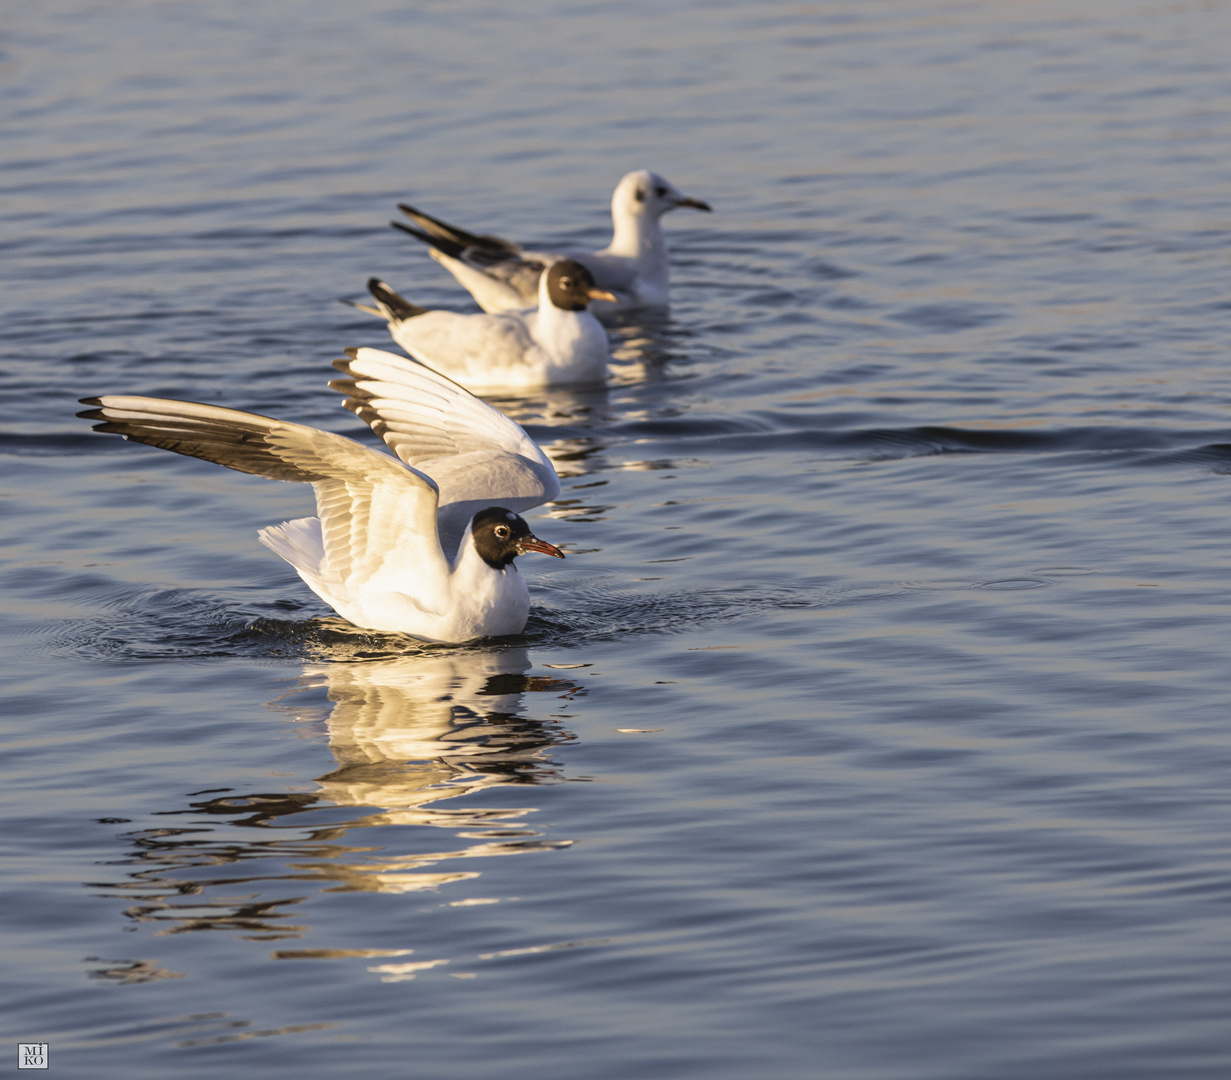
[{"x": 533, "y": 543}]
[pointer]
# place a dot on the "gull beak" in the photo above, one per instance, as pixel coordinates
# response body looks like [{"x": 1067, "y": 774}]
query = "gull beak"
[
  {"x": 694, "y": 204},
  {"x": 533, "y": 543},
  {"x": 601, "y": 294}
]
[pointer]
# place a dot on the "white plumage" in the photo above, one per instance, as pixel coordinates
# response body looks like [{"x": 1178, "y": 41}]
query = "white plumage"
[
  {"x": 558, "y": 343},
  {"x": 502, "y": 276},
  {"x": 424, "y": 545}
]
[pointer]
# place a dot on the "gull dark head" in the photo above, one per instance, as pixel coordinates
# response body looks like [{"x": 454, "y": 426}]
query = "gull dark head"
[
  {"x": 570, "y": 286},
  {"x": 646, "y": 194},
  {"x": 499, "y": 536}
]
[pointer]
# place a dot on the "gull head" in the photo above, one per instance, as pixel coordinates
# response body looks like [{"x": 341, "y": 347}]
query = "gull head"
[
  {"x": 499, "y": 536},
  {"x": 570, "y": 286},
  {"x": 646, "y": 194}
]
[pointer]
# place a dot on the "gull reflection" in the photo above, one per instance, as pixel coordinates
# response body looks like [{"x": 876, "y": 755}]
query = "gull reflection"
[
  {"x": 410, "y": 732},
  {"x": 418, "y": 741},
  {"x": 643, "y": 343}
]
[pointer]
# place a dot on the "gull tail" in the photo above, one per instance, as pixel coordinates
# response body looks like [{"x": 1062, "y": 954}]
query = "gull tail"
[
  {"x": 367, "y": 308},
  {"x": 300, "y": 543},
  {"x": 395, "y": 308}
]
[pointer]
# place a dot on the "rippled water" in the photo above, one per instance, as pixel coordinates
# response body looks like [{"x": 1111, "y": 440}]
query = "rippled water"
[{"x": 876, "y": 726}]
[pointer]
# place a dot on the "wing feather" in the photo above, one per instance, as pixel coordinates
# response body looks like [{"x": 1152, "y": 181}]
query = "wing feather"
[
  {"x": 378, "y": 516},
  {"x": 477, "y": 455},
  {"x": 441, "y": 233}
]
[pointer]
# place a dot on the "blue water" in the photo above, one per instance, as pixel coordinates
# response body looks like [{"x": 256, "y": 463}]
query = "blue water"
[{"x": 876, "y": 726}]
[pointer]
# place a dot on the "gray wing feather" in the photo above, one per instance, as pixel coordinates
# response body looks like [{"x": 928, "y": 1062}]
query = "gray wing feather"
[
  {"x": 477, "y": 455},
  {"x": 377, "y": 515}
]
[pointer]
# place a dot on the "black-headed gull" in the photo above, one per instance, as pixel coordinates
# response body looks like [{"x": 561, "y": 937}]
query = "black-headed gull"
[
  {"x": 559, "y": 343},
  {"x": 423, "y": 545},
  {"x": 502, "y": 276}
]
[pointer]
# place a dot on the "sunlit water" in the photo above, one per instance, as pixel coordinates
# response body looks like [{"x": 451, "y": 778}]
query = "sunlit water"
[{"x": 876, "y": 726}]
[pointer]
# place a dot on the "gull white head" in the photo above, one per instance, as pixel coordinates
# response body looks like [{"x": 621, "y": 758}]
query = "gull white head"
[{"x": 643, "y": 194}]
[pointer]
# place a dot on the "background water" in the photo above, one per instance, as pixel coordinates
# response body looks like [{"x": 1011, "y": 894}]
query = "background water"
[{"x": 877, "y": 724}]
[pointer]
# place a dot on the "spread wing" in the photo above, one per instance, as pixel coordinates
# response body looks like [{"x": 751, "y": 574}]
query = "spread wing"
[
  {"x": 477, "y": 455},
  {"x": 378, "y": 517}
]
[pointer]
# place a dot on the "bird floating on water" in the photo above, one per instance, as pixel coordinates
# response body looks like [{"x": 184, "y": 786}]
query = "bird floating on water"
[
  {"x": 424, "y": 545},
  {"x": 502, "y": 276},
  {"x": 559, "y": 343}
]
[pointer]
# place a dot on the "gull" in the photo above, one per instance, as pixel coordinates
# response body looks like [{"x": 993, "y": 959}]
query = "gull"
[
  {"x": 502, "y": 276},
  {"x": 421, "y": 544},
  {"x": 559, "y": 343}
]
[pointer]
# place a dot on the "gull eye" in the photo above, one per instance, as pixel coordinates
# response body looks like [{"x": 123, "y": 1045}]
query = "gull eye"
[
  {"x": 503, "y": 532},
  {"x": 639, "y": 194},
  {"x": 660, "y": 191},
  {"x": 567, "y": 282}
]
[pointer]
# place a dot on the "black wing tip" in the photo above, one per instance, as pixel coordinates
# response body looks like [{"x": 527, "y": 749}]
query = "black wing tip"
[
  {"x": 89, "y": 401},
  {"x": 392, "y": 302},
  {"x": 352, "y": 352},
  {"x": 418, "y": 234},
  {"x": 383, "y": 291},
  {"x": 454, "y": 249}
]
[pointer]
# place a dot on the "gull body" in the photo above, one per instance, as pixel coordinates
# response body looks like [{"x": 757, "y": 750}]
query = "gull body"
[
  {"x": 502, "y": 276},
  {"x": 422, "y": 544},
  {"x": 558, "y": 343}
]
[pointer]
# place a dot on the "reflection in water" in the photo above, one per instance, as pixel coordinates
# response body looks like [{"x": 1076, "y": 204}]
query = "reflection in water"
[
  {"x": 643, "y": 343},
  {"x": 411, "y": 736},
  {"x": 129, "y": 972},
  {"x": 565, "y": 421}
]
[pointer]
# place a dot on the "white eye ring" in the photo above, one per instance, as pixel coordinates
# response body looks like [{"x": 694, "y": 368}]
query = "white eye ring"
[{"x": 502, "y": 532}]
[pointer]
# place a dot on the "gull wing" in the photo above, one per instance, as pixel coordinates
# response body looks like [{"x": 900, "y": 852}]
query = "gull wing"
[
  {"x": 498, "y": 287},
  {"x": 476, "y": 345},
  {"x": 499, "y": 275},
  {"x": 452, "y": 240},
  {"x": 477, "y": 456},
  {"x": 378, "y": 517}
]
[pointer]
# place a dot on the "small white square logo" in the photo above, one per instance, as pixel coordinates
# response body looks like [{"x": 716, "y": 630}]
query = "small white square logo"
[{"x": 32, "y": 1055}]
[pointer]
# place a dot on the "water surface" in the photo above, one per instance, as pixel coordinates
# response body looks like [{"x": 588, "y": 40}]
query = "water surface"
[{"x": 876, "y": 725}]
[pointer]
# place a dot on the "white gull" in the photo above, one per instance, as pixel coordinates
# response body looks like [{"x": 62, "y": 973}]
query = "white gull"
[
  {"x": 559, "y": 343},
  {"x": 502, "y": 276},
  {"x": 423, "y": 545}
]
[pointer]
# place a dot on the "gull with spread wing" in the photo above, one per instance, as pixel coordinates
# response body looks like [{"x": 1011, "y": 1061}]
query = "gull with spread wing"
[
  {"x": 559, "y": 343},
  {"x": 502, "y": 276},
  {"x": 421, "y": 544}
]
